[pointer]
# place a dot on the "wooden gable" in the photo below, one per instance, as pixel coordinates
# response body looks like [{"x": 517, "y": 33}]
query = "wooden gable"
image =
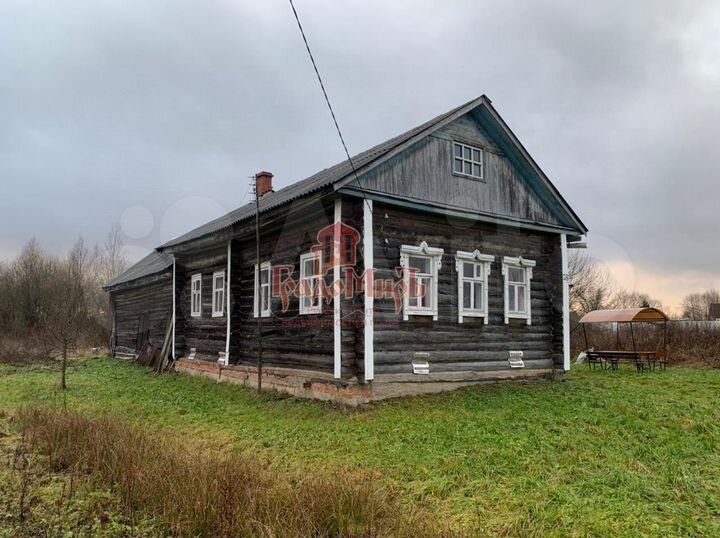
[{"x": 424, "y": 173}]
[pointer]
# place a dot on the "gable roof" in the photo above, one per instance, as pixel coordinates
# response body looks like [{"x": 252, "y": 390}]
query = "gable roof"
[
  {"x": 341, "y": 174},
  {"x": 152, "y": 264},
  {"x": 326, "y": 177}
]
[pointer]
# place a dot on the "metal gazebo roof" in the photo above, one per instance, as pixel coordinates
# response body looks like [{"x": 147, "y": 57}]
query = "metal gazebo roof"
[{"x": 630, "y": 315}]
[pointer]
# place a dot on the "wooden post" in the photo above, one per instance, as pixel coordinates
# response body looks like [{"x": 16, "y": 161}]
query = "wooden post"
[
  {"x": 565, "y": 302},
  {"x": 337, "y": 321},
  {"x": 369, "y": 289}
]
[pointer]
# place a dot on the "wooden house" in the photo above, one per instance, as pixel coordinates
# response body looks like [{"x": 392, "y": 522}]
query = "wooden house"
[{"x": 436, "y": 260}]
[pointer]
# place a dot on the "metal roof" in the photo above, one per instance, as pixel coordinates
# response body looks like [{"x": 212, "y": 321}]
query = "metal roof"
[
  {"x": 152, "y": 264},
  {"x": 337, "y": 176},
  {"x": 324, "y": 178},
  {"x": 631, "y": 315}
]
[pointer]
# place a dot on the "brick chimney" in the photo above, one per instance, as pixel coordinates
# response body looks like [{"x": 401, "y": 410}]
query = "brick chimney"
[{"x": 263, "y": 183}]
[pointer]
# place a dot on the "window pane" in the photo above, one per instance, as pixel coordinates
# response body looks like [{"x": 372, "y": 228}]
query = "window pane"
[
  {"x": 478, "y": 304},
  {"x": 511, "y": 299},
  {"x": 458, "y": 150},
  {"x": 426, "y": 292},
  {"x": 476, "y": 170},
  {"x": 458, "y": 165},
  {"x": 467, "y": 295},
  {"x": 264, "y": 276},
  {"x": 467, "y": 167},
  {"x": 466, "y": 153},
  {"x": 521, "y": 298},
  {"x": 516, "y": 275},
  {"x": 265, "y": 299},
  {"x": 309, "y": 267},
  {"x": 421, "y": 264},
  {"x": 476, "y": 156},
  {"x": 469, "y": 270}
]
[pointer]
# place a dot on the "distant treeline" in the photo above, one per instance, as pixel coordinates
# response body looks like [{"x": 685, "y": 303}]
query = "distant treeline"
[{"x": 50, "y": 305}]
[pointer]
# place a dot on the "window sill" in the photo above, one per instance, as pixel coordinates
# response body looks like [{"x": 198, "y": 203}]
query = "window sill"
[
  {"x": 218, "y": 315},
  {"x": 468, "y": 176}
]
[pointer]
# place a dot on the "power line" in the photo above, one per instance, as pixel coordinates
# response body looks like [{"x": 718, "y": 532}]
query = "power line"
[{"x": 330, "y": 108}]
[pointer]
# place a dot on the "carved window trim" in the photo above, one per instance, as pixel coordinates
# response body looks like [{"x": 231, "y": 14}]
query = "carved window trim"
[
  {"x": 434, "y": 256},
  {"x": 484, "y": 263}
]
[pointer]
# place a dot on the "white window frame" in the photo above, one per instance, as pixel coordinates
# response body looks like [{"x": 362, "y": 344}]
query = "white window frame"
[
  {"x": 484, "y": 261},
  {"x": 435, "y": 257},
  {"x": 218, "y": 303},
  {"x": 258, "y": 310},
  {"x": 315, "y": 282},
  {"x": 527, "y": 268},
  {"x": 468, "y": 161},
  {"x": 196, "y": 278}
]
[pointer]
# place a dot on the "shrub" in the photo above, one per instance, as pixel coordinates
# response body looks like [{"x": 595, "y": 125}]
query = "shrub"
[{"x": 201, "y": 492}]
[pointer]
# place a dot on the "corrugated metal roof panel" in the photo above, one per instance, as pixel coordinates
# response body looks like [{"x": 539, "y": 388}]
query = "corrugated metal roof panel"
[
  {"x": 153, "y": 263},
  {"x": 320, "y": 180}
]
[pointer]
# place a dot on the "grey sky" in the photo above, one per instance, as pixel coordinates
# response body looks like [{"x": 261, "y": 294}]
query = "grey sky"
[{"x": 163, "y": 109}]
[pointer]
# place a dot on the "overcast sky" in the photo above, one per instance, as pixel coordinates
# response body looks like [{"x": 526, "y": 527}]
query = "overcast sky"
[{"x": 154, "y": 113}]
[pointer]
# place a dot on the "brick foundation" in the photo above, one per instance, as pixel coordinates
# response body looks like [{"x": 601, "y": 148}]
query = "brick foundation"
[{"x": 321, "y": 386}]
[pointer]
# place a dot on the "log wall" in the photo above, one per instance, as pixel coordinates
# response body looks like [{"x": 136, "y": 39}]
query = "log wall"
[
  {"x": 472, "y": 345},
  {"x": 150, "y": 298}
]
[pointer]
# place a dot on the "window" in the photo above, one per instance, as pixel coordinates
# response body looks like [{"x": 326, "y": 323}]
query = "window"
[
  {"x": 310, "y": 277},
  {"x": 329, "y": 244},
  {"x": 196, "y": 296},
  {"x": 420, "y": 271},
  {"x": 467, "y": 160},
  {"x": 473, "y": 270},
  {"x": 518, "y": 274},
  {"x": 263, "y": 282},
  {"x": 218, "y": 296}
]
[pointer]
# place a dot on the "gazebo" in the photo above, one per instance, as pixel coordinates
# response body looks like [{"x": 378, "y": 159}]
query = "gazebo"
[{"x": 642, "y": 359}]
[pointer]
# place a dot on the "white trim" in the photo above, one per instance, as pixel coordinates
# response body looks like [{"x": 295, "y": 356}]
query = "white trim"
[
  {"x": 264, "y": 266},
  {"x": 197, "y": 277},
  {"x": 369, "y": 259},
  {"x": 317, "y": 309},
  {"x": 526, "y": 265},
  {"x": 476, "y": 258},
  {"x": 218, "y": 312},
  {"x": 435, "y": 257},
  {"x": 337, "y": 329},
  {"x": 227, "y": 302},
  {"x": 174, "y": 306},
  {"x": 566, "y": 302}
]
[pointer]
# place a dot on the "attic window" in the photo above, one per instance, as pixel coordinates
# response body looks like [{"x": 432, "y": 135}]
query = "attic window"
[{"x": 467, "y": 160}]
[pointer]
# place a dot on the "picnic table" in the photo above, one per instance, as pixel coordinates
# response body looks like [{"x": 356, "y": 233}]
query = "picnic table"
[{"x": 643, "y": 360}]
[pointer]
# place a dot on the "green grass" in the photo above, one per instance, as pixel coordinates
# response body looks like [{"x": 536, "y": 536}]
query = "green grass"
[{"x": 604, "y": 453}]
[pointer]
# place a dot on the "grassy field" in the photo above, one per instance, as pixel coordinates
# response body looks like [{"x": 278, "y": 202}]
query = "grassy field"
[{"x": 605, "y": 453}]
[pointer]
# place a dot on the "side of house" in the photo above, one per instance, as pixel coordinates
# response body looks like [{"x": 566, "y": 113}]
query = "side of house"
[{"x": 436, "y": 260}]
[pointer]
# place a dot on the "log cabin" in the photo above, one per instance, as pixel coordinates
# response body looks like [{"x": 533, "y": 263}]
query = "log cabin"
[{"x": 434, "y": 260}]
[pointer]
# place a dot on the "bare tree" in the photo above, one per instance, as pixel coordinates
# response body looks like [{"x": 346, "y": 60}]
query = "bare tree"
[
  {"x": 590, "y": 283},
  {"x": 696, "y": 306},
  {"x": 112, "y": 261},
  {"x": 66, "y": 316},
  {"x": 634, "y": 299}
]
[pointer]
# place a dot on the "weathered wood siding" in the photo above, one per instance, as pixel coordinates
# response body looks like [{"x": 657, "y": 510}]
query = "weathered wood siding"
[
  {"x": 424, "y": 173},
  {"x": 289, "y": 339},
  {"x": 207, "y": 334},
  {"x": 472, "y": 345},
  {"x": 151, "y": 297}
]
